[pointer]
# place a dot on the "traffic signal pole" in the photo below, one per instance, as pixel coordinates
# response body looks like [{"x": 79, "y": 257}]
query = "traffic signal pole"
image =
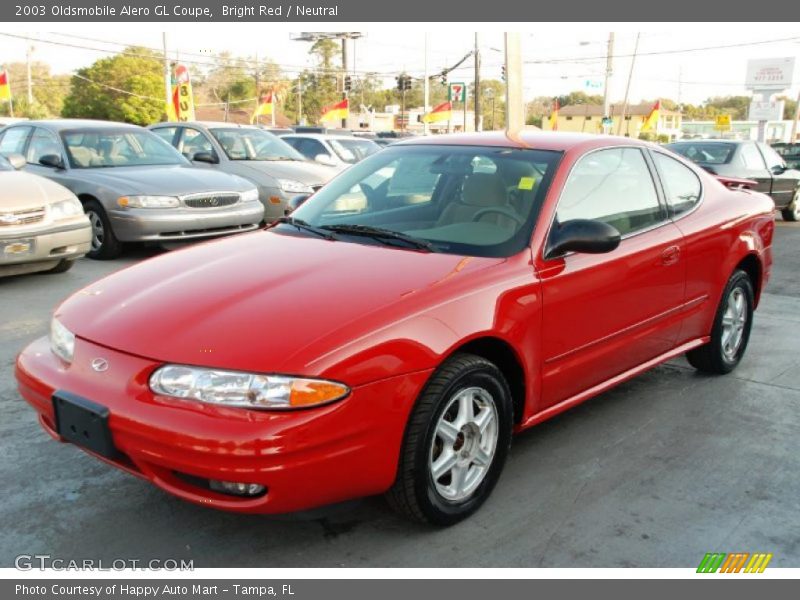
[{"x": 344, "y": 74}]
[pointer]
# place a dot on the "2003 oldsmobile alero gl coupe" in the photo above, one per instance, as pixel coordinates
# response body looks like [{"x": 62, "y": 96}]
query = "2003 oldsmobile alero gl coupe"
[{"x": 395, "y": 330}]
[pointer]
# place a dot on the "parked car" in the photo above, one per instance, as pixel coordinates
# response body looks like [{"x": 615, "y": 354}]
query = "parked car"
[
  {"x": 133, "y": 186},
  {"x": 278, "y": 170},
  {"x": 485, "y": 284},
  {"x": 748, "y": 160},
  {"x": 790, "y": 152},
  {"x": 339, "y": 151},
  {"x": 42, "y": 225}
]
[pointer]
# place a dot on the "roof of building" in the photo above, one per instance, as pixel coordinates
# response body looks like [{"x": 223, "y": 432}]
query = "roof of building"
[{"x": 596, "y": 110}]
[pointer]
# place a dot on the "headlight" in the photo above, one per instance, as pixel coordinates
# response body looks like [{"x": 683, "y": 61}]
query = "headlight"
[
  {"x": 148, "y": 202},
  {"x": 250, "y": 195},
  {"x": 66, "y": 209},
  {"x": 62, "y": 341},
  {"x": 244, "y": 390},
  {"x": 294, "y": 187}
]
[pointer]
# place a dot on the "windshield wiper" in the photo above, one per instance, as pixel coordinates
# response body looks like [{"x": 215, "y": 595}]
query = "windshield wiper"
[
  {"x": 381, "y": 234},
  {"x": 303, "y": 226}
]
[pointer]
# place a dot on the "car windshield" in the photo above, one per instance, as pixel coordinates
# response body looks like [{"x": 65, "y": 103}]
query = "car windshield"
[
  {"x": 97, "y": 148},
  {"x": 254, "y": 144},
  {"x": 711, "y": 153},
  {"x": 4, "y": 164},
  {"x": 353, "y": 150},
  {"x": 467, "y": 200}
]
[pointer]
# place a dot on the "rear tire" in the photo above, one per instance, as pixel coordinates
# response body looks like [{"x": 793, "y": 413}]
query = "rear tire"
[
  {"x": 105, "y": 244},
  {"x": 731, "y": 330},
  {"x": 64, "y": 265},
  {"x": 456, "y": 442}
]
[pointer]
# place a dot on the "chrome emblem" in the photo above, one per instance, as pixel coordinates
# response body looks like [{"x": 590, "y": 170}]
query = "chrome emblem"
[
  {"x": 214, "y": 201},
  {"x": 100, "y": 365}
]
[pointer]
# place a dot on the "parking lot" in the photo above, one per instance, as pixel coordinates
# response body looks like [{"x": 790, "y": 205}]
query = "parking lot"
[{"x": 653, "y": 474}]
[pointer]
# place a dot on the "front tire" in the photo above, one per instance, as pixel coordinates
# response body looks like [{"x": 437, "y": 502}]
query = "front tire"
[
  {"x": 64, "y": 265},
  {"x": 792, "y": 212},
  {"x": 456, "y": 442},
  {"x": 105, "y": 244},
  {"x": 731, "y": 330}
]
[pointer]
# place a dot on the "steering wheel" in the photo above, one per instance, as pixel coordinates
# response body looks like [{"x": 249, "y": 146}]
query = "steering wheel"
[{"x": 502, "y": 210}]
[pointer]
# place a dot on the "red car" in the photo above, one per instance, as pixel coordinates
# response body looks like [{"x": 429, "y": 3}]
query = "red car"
[{"x": 393, "y": 332}]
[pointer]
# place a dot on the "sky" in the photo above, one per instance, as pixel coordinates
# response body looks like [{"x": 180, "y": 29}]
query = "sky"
[{"x": 676, "y": 61}]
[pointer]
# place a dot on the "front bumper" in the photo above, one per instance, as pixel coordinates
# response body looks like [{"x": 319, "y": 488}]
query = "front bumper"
[
  {"x": 148, "y": 225},
  {"x": 51, "y": 244},
  {"x": 305, "y": 458}
]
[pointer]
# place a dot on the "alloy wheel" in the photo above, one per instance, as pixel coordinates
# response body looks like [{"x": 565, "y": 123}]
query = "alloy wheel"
[
  {"x": 734, "y": 322},
  {"x": 98, "y": 230}
]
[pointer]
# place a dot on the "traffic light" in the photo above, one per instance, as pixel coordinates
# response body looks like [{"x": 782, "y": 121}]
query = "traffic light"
[
  {"x": 407, "y": 85},
  {"x": 503, "y": 72},
  {"x": 444, "y": 79},
  {"x": 403, "y": 82},
  {"x": 348, "y": 83}
]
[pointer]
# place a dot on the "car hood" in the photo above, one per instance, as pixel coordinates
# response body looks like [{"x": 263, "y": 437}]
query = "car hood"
[
  {"x": 305, "y": 172},
  {"x": 20, "y": 191},
  {"x": 264, "y": 301},
  {"x": 170, "y": 180}
]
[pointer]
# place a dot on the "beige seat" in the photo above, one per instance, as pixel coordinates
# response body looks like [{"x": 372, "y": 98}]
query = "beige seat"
[{"x": 480, "y": 191}]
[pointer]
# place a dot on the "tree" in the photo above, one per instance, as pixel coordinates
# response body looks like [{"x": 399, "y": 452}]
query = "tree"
[
  {"x": 48, "y": 90},
  {"x": 127, "y": 87}
]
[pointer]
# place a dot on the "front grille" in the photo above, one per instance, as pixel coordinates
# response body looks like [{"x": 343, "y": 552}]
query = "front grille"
[
  {"x": 22, "y": 217},
  {"x": 211, "y": 200}
]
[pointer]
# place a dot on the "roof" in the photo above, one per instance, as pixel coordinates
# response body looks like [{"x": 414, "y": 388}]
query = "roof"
[
  {"x": 596, "y": 110},
  {"x": 326, "y": 136},
  {"x": 531, "y": 139},
  {"x": 205, "y": 124},
  {"x": 237, "y": 115},
  {"x": 65, "y": 124}
]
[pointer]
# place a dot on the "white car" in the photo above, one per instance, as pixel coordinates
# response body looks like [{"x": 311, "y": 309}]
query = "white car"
[{"x": 339, "y": 151}]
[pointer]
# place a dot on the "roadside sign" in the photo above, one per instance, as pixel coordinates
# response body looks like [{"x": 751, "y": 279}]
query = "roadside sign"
[
  {"x": 769, "y": 74},
  {"x": 723, "y": 123},
  {"x": 593, "y": 84},
  {"x": 608, "y": 121},
  {"x": 770, "y": 110},
  {"x": 457, "y": 92}
]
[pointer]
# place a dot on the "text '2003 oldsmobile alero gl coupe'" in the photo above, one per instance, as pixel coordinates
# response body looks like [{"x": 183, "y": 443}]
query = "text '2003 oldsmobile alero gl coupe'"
[{"x": 419, "y": 309}]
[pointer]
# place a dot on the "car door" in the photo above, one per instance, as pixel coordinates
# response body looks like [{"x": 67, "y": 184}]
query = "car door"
[
  {"x": 604, "y": 314},
  {"x": 193, "y": 141},
  {"x": 784, "y": 180},
  {"x": 752, "y": 165},
  {"x": 45, "y": 143}
]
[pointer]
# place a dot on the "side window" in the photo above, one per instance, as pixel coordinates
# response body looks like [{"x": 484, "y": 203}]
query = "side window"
[
  {"x": 195, "y": 141},
  {"x": 42, "y": 143},
  {"x": 614, "y": 186},
  {"x": 751, "y": 157},
  {"x": 773, "y": 158},
  {"x": 166, "y": 133},
  {"x": 681, "y": 185},
  {"x": 13, "y": 140},
  {"x": 310, "y": 148}
]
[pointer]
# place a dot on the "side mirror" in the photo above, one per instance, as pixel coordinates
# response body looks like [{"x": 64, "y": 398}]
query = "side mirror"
[
  {"x": 53, "y": 161},
  {"x": 779, "y": 169},
  {"x": 17, "y": 161},
  {"x": 582, "y": 235},
  {"x": 205, "y": 157},
  {"x": 295, "y": 202},
  {"x": 325, "y": 159}
]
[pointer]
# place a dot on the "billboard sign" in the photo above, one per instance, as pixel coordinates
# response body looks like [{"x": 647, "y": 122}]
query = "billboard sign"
[
  {"x": 771, "y": 110},
  {"x": 769, "y": 74}
]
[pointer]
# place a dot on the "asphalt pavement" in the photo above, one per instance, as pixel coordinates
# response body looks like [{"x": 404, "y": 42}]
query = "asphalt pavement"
[{"x": 655, "y": 473}]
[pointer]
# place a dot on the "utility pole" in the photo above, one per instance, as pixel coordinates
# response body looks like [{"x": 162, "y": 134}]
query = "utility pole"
[
  {"x": 167, "y": 77},
  {"x": 609, "y": 73},
  {"x": 426, "y": 89},
  {"x": 300, "y": 99},
  {"x": 344, "y": 74},
  {"x": 515, "y": 108},
  {"x": 30, "y": 83},
  {"x": 477, "y": 105},
  {"x": 793, "y": 139},
  {"x": 628, "y": 85},
  {"x": 258, "y": 92}
]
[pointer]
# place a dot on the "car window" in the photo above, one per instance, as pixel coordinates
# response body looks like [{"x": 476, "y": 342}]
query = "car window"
[
  {"x": 93, "y": 148},
  {"x": 681, "y": 185},
  {"x": 614, "y": 186},
  {"x": 773, "y": 158},
  {"x": 751, "y": 157},
  {"x": 166, "y": 133},
  {"x": 435, "y": 193},
  {"x": 711, "y": 153},
  {"x": 308, "y": 147},
  {"x": 242, "y": 143},
  {"x": 4, "y": 164},
  {"x": 43, "y": 142},
  {"x": 13, "y": 140},
  {"x": 194, "y": 142}
]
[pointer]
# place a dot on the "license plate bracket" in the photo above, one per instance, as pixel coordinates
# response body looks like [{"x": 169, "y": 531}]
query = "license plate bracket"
[{"x": 84, "y": 423}]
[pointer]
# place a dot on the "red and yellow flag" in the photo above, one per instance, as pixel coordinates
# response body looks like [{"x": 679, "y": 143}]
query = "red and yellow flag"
[
  {"x": 553, "y": 120},
  {"x": 266, "y": 106},
  {"x": 182, "y": 106},
  {"x": 652, "y": 119},
  {"x": 440, "y": 112},
  {"x": 340, "y": 110},
  {"x": 5, "y": 86}
]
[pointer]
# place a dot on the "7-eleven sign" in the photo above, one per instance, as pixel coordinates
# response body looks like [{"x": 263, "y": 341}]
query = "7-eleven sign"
[{"x": 457, "y": 92}]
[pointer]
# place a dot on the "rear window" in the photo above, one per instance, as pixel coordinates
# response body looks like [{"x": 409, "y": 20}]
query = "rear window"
[{"x": 705, "y": 152}]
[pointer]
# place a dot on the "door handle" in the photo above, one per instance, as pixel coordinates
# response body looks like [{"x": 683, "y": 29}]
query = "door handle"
[{"x": 671, "y": 255}]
